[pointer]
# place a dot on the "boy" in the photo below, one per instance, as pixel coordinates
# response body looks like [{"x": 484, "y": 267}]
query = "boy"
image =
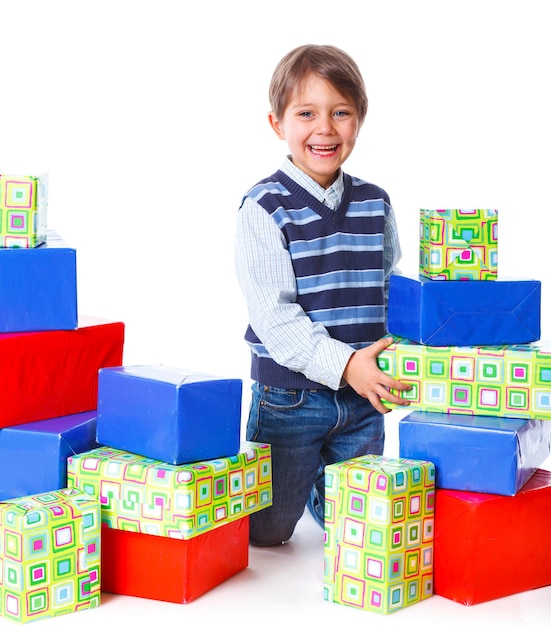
[{"x": 314, "y": 252}]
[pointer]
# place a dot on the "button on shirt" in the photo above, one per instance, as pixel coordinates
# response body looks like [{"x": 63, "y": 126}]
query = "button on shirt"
[{"x": 266, "y": 277}]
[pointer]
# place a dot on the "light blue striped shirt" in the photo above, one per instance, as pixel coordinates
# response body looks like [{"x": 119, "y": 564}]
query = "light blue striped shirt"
[{"x": 266, "y": 277}]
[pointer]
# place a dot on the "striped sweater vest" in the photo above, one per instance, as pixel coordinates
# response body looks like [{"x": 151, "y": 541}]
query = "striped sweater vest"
[{"x": 337, "y": 256}]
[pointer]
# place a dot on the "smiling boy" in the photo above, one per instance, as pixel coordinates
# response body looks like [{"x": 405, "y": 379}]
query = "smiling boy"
[{"x": 314, "y": 251}]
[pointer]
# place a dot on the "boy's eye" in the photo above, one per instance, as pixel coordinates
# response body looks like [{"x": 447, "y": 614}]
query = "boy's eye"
[{"x": 341, "y": 114}]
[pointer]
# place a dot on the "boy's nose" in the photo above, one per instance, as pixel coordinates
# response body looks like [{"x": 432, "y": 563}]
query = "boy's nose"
[{"x": 325, "y": 125}]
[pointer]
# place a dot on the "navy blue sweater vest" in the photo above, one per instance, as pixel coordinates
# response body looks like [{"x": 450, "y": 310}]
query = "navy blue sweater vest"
[{"x": 337, "y": 256}]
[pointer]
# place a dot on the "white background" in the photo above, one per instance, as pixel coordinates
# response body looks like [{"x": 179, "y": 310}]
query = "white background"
[{"x": 150, "y": 118}]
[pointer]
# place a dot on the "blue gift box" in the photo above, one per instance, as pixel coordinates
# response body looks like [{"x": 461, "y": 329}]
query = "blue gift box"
[
  {"x": 38, "y": 287},
  {"x": 493, "y": 455},
  {"x": 464, "y": 313},
  {"x": 33, "y": 457},
  {"x": 169, "y": 414}
]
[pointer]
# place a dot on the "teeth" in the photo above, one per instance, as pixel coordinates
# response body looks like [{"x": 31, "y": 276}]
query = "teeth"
[{"x": 323, "y": 149}]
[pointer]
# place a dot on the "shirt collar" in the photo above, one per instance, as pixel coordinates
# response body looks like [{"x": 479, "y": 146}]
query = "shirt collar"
[{"x": 331, "y": 196}]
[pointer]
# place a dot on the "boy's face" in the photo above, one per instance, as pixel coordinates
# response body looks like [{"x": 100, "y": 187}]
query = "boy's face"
[{"x": 320, "y": 126}]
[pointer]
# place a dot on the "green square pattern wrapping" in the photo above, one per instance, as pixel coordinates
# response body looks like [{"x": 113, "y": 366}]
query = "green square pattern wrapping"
[
  {"x": 379, "y": 532},
  {"x": 458, "y": 244},
  {"x": 23, "y": 210},
  {"x": 144, "y": 495},
  {"x": 50, "y": 552},
  {"x": 503, "y": 381}
]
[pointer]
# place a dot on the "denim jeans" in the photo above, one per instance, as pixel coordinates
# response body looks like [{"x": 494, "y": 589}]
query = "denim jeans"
[{"x": 307, "y": 429}]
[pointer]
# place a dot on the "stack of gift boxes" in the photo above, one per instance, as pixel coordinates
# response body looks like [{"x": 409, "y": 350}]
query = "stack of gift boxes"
[
  {"x": 49, "y": 359},
  {"x": 175, "y": 485},
  {"x": 469, "y": 345},
  {"x": 165, "y": 514},
  {"x": 463, "y": 511}
]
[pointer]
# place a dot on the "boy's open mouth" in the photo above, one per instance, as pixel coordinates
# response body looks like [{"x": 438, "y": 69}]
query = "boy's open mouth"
[{"x": 323, "y": 150}]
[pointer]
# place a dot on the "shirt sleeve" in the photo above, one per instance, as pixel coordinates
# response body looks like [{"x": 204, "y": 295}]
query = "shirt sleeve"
[
  {"x": 392, "y": 250},
  {"x": 266, "y": 277}
]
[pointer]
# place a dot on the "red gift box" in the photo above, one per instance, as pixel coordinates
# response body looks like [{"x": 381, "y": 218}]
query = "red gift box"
[
  {"x": 491, "y": 546},
  {"x": 55, "y": 373},
  {"x": 173, "y": 570}
]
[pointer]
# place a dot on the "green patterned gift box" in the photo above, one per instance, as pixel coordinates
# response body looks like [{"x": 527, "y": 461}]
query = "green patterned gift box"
[
  {"x": 503, "y": 381},
  {"x": 50, "y": 555},
  {"x": 458, "y": 244},
  {"x": 379, "y": 532},
  {"x": 23, "y": 210},
  {"x": 144, "y": 495}
]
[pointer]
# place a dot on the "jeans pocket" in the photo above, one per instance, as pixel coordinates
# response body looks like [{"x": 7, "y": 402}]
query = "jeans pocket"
[
  {"x": 273, "y": 411},
  {"x": 280, "y": 399}
]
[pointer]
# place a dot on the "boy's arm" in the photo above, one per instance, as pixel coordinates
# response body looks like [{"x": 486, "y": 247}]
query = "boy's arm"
[
  {"x": 266, "y": 277},
  {"x": 392, "y": 250}
]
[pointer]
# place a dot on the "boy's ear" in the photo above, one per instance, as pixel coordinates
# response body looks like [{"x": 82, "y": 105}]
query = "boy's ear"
[{"x": 276, "y": 125}]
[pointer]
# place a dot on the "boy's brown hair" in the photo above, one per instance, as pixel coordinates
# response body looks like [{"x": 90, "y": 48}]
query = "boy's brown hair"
[{"x": 329, "y": 62}]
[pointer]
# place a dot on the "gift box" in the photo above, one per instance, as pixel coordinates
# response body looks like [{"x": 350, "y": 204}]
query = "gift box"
[
  {"x": 161, "y": 568},
  {"x": 379, "y": 531},
  {"x": 491, "y": 546},
  {"x": 458, "y": 244},
  {"x": 168, "y": 413},
  {"x": 51, "y": 553},
  {"x": 503, "y": 381},
  {"x": 147, "y": 496},
  {"x": 38, "y": 287},
  {"x": 33, "y": 457},
  {"x": 23, "y": 210},
  {"x": 464, "y": 312},
  {"x": 474, "y": 453},
  {"x": 55, "y": 373}
]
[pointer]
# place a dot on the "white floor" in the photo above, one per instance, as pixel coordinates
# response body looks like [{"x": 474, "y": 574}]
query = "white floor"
[{"x": 285, "y": 585}]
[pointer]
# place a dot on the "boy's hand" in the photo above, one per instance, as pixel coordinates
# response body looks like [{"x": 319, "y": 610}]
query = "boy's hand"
[{"x": 362, "y": 373}]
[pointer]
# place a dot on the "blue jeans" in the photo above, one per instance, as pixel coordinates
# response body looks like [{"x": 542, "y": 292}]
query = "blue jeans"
[{"x": 307, "y": 429}]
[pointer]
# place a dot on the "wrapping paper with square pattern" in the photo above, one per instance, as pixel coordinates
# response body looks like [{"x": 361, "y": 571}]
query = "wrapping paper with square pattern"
[
  {"x": 503, "y": 381},
  {"x": 379, "y": 530},
  {"x": 144, "y": 495},
  {"x": 50, "y": 551},
  {"x": 23, "y": 210},
  {"x": 458, "y": 244}
]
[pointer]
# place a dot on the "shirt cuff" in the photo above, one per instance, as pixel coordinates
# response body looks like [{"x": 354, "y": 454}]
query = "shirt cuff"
[{"x": 328, "y": 364}]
